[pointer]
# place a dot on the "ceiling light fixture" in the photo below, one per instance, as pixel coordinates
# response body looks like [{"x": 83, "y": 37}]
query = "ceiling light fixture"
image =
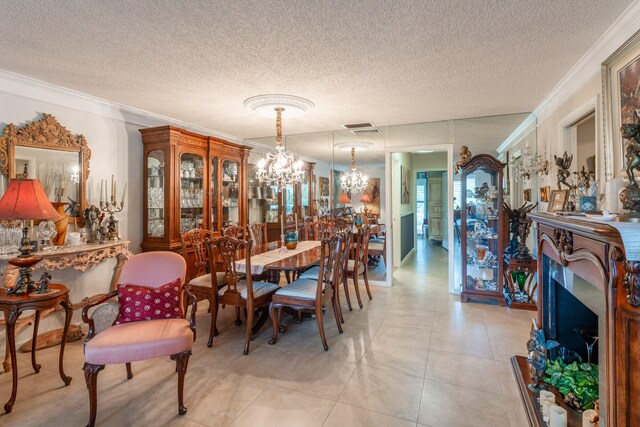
[
  {"x": 279, "y": 168},
  {"x": 354, "y": 181}
]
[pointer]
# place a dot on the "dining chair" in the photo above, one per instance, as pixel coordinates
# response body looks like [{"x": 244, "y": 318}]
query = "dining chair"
[
  {"x": 357, "y": 266},
  {"x": 309, "y": 294},
  {"x": 109, "y": 342},
  {"x": 317, "y": 230},
  {"x": 346, "y": 246},
  {"x": 239, "y": 290},
  {"x": 377, "y": 245},
  {"x": 236, "y": 231},
  {"x": 258, "y": 232}
]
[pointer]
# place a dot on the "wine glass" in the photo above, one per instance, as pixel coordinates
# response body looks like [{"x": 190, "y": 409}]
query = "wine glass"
[
  {"x": 46, "y": 232},
  {"x": 590, "y": 337}
]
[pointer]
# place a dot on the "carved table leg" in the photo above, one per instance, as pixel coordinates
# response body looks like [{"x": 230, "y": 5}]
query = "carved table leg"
[
  {"x": 67, "y": 321},
  {"x": 11, "y": 317},
  {"x": 36, "y": 323}
]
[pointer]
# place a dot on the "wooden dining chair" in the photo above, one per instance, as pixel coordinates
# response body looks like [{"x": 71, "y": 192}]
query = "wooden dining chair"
[
  {"x": 356, "y": 267},
  {"x": 258, "y": 232},
  {"x": 236, "y": 231},
  {"x": 309, "y": 294},
  {"x": 377, "y": 245},
  {"x": 317, "y": 230},
  {"x": 239, "y": 289},
  {"x": 200, "y": 281}
]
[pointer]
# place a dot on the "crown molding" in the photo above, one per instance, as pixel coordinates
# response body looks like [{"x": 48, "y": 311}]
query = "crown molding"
[
  {"x": 38, "y": 90},
  {"x": 588, "y": 66}
]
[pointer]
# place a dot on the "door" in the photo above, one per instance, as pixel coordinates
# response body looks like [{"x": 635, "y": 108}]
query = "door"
[
  {"x": 434, "y": 207},
  {"x": 445, "y": 224}
]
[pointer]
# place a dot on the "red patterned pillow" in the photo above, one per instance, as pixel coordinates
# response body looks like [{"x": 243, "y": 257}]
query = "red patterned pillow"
[{"x": 142, "y": 303}]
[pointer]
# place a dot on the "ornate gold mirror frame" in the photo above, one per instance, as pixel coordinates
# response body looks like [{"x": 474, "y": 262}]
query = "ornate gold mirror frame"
[{"x": 45, "y": 133}]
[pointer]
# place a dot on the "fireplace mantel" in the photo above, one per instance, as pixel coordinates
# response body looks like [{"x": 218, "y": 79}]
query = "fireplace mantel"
[{"x": 596, "y": 252}]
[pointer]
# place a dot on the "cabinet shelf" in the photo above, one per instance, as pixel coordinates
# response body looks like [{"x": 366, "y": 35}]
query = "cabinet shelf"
[{"x": 477, "y": 218}]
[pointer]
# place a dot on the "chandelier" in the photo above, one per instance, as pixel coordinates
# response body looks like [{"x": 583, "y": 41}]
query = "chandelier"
[
  {"x": 279, "y": 168},
  {"x": 353, "y": 181},
  {"x": 529, "y": 163}
]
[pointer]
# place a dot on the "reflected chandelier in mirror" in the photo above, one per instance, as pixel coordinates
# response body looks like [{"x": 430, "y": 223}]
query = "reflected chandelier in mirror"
[{"x": 46, "y": 133}]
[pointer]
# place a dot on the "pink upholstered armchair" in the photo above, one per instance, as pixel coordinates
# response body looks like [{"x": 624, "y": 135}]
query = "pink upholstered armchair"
[{"x": 143, "y": 339}]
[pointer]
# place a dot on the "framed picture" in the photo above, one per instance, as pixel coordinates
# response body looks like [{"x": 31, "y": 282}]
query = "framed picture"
[
  {"x": 544, "y": 194},
  {"x": 373, "y": 190},
  {"x": 405, "y": 186},
  {"x": 587, "y": 204},
  {"x": 527, "y": 195},
  {"x": 621, "y": 83},
  {"x": 558, "y": 200},
  {"x": 324, "y": 186}
]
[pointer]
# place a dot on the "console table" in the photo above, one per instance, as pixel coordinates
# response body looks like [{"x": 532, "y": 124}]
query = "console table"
[
  {"x": 595, "y": 251},
  {"x": 80, "y": 258}
]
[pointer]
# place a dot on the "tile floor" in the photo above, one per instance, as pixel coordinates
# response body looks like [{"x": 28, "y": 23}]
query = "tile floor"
[{"x": 413, "y": 356}]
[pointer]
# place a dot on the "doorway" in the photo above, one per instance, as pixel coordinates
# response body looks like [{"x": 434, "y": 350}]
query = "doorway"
[{"x": 421, "y": 178}]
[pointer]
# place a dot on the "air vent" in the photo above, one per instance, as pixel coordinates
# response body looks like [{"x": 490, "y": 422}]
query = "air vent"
[
  {"x": 370, "y": 131},
  {"x": 358, "y": 125}
]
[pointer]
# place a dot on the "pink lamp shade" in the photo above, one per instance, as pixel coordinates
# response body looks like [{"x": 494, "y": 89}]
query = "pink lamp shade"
[
  {"x": 344, "y": 199},
  {"x": 26, "y": 199},
  {"x": 365, "y": 198}
]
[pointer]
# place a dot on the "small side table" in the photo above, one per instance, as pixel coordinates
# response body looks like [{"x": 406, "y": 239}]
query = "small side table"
[
  {"x": 13, "y": 306},
  {"x": 520, "y": 295}
]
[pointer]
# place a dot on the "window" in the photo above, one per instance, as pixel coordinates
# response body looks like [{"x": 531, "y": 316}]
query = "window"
[{"x": 457, "y": 185}]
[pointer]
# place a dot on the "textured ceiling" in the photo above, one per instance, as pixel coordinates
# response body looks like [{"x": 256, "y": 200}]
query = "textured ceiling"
[{"x": 388, "y": 62}]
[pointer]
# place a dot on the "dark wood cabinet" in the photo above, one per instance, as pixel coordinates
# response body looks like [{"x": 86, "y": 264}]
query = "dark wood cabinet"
[
  {"x": 190, "y": 181},
  {"x": 482, "y": 229},
  {"x": 594, "y": 251}
]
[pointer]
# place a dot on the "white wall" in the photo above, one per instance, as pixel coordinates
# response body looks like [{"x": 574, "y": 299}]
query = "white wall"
[{"x": 112, "y": 134}]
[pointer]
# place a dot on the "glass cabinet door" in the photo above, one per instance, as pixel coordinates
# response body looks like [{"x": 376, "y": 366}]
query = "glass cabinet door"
[
  {"x": 191, "y": 192},
  {"x": 289, "y": 202},
  {"x": 271, "y": 199},
  {"x": 155, "y": 194},
  {"x": 482, "y": 251},
  {"x": 304, "y": 196},
  {"x": 214, "y": 194},
  {"x": 229, "y": 193}
]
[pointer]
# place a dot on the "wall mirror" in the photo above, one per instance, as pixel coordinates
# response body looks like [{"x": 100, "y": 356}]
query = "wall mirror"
[{"x": 45, "y": 150}]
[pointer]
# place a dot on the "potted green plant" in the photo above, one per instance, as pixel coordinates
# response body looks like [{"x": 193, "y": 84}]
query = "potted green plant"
[{"x": 577, "y": 382}]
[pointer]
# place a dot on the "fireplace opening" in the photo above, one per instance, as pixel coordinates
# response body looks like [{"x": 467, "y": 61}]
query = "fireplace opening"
[{"x": 574, "y": 316}]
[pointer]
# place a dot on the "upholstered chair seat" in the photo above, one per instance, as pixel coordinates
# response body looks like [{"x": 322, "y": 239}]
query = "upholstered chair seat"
[
  {"x": 205, "y": 280},
  {"x": 375, "y": 245},
  {"x": 259, "y": 289},
  {"x": 311, "y": 273},
  {"x": 300, "y": 288},
  {"x": 131, "y": 342}
]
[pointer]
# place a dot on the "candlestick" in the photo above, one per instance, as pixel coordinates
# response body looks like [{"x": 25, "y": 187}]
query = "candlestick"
[
  {"x": 557, "y": 416},
  {"x": 547, "y": 395},
  {"x": 545, "y": 407},
  {"x": 587, "y": 416},
  {"x": 101, "y": 189},
  {"x": 113, "y": 186},
  {"x": 125, "y": 191}
]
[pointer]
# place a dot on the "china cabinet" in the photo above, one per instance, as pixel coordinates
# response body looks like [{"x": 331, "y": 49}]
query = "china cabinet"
[
  {"x": 190, "y": 181},
  {"x": 483, "y": 228}
]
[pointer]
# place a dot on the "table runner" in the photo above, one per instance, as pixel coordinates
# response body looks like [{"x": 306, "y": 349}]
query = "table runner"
[{"x": 260, "y": 261}]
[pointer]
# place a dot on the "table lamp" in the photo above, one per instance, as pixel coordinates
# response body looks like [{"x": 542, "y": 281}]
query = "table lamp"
[
  {"x": 344, "y": 199},
  {"x": 365, "y": 199},
  {"x": 25, "y": 200}
]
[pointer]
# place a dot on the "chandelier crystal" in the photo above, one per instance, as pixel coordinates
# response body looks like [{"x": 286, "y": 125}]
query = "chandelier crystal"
[
  {"x": 279, "y": 168},
  {"x": 354, "y": 181}
]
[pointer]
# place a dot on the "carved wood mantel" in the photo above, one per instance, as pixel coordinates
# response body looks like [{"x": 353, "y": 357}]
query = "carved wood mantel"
[{"x": 596, "y": 252}]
